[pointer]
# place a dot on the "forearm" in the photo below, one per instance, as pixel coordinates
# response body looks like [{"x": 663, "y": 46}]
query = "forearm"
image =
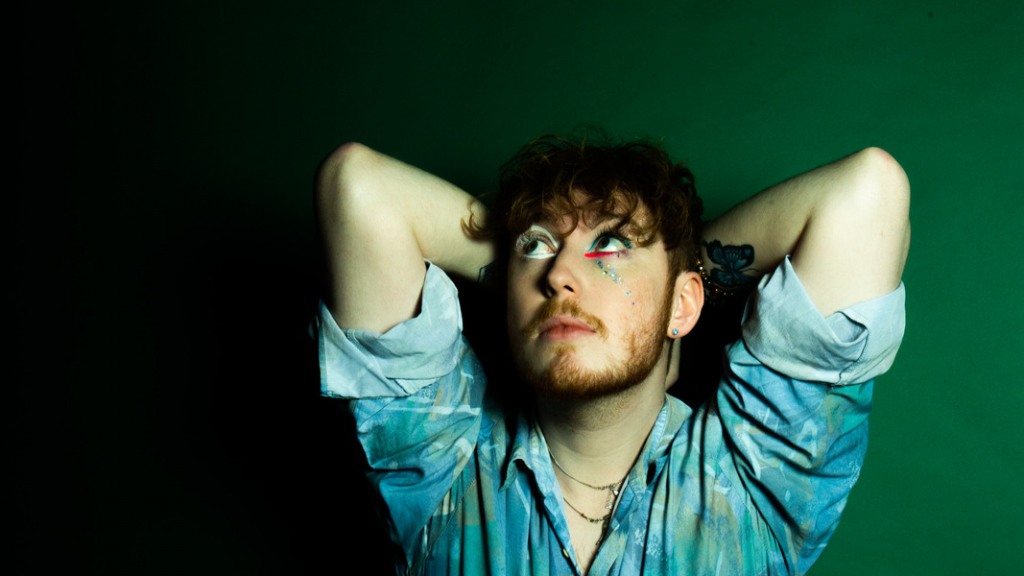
[
  {"x": 378, "y": 219},
  {"x": 844, "y": 224}
]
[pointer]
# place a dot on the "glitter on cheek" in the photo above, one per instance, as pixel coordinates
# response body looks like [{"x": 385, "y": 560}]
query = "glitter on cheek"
[{"x": 607, "y": 270}]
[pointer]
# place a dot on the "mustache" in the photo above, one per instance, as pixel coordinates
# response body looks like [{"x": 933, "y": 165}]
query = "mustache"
[{"x": 553, "y": 308}]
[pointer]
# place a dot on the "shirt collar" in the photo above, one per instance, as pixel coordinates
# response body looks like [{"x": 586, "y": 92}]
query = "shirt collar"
[
  {"x": 659, "y": 442},
  {"x": 530, "y": 449}
]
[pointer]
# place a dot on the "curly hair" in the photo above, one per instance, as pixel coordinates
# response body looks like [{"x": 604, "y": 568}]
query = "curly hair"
[{"x": 554, "y": 177}]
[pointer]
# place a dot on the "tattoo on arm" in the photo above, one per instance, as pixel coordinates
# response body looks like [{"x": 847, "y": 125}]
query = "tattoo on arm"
[
  {"x": 486, "y": 275},
  {"x": 734, "y": 270}
]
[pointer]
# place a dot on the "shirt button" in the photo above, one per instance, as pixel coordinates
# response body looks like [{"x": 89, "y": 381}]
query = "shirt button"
[{"x": 565, "y": 553}]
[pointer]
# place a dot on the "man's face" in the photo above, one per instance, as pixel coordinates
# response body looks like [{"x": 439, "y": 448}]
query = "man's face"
[{"x": 588, "y": 308}]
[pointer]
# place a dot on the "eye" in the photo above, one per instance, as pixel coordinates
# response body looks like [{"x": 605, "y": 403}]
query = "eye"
[
  {"x": 609, "y": 243},
  {"x": 536, "y": 243},
  {"x": 536, "y": 248}
]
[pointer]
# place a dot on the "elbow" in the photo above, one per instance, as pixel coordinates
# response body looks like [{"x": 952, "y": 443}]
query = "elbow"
[
  {"x": 874, "y": 188},
  {"x": 342, "y": 164},
  {"x": 881, "y": 162},
  {"x": 338, "y": 176},
  {"x": 882, "y": 182},
  {"x": 881, "y": 199},
  {"x": 346, "y": 154}
]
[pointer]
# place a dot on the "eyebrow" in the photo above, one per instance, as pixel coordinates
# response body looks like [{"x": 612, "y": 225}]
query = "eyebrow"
[
  {"x": 627, "y": 228},
  {"x": 553, "y": 236},
  {"x": 520, "y": 240},
  {"x": 539, "y": 228}
]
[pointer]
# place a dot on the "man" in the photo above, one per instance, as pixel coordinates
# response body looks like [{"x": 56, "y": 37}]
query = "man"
[{"x": 602, "y": 472}]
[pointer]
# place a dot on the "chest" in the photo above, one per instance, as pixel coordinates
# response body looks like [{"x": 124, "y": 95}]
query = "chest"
[
  {"x": 521, "y": 531},
  {"x": 586, "y": 537}
]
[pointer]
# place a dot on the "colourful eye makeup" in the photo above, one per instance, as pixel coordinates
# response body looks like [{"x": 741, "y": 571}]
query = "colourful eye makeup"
[
  {"x": 536, "y": 243},
  {"x": 608, "y": 271},
  {"x": 609, "y": 244}
]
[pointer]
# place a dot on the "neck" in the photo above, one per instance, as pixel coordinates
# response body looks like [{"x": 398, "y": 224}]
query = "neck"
[{"x": 599, "y": 440}]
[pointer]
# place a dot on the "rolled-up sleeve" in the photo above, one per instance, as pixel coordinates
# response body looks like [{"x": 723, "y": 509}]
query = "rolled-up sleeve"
[
  {"x": 785, "y": 331},
  {"x": 794, "y": 403},
  {"x": 415, "y": 393},
  {"x": 413, "y": 354}
]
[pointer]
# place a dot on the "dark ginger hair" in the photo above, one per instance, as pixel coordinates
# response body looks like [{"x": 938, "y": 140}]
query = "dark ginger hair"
[{"x": 615, "y": 180}]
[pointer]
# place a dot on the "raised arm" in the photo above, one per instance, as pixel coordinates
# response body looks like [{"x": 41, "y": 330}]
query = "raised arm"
[
  {"x": 844, "y": 224},
  {"x": 378, "y": 219}
]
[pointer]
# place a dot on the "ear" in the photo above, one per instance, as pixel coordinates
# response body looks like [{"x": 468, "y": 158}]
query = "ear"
[{"x": 688, "y": 300}]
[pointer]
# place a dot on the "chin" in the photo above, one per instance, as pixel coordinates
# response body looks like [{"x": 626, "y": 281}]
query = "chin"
[
  {"x": 585, "y": 372},
  {"x": 567, "y": 379}
]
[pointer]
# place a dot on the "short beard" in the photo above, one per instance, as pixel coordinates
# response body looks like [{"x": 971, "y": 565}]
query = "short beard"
[{"x": 566, "y": 379}]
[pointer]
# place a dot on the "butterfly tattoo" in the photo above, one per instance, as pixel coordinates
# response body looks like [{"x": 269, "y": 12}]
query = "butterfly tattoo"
[{"x": 733, "y": 263}]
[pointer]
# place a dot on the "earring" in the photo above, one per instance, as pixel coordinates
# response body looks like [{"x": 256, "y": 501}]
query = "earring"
[{"x": 675, "y": 332}]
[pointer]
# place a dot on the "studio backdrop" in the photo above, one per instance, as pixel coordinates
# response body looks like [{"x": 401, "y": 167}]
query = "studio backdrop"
[{"x": 174, "y": 424}]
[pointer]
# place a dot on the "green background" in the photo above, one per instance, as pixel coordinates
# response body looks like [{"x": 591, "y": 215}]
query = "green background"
[{"x": 168, "y": 419}]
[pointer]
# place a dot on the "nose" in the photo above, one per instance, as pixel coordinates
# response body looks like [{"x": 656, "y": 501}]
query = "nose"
[{"x": 563, "y": 275}]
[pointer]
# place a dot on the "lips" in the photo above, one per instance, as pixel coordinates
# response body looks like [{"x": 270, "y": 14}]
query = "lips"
[{"x": 562, "y": 328}]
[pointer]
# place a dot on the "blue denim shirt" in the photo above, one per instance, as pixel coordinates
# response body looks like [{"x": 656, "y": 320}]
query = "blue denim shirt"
[{"x": 753, "y": 482}]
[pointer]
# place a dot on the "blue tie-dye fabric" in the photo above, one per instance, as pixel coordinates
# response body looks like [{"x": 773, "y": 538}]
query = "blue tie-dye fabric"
[{"x": 753, "y": 482}]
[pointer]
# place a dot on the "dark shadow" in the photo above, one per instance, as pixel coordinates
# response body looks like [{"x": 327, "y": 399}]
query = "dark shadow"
[{"x": 265, "y": 464}]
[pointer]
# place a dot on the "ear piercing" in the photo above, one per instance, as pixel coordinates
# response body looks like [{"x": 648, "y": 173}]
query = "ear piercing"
[{"x": 675, "y": 332}]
